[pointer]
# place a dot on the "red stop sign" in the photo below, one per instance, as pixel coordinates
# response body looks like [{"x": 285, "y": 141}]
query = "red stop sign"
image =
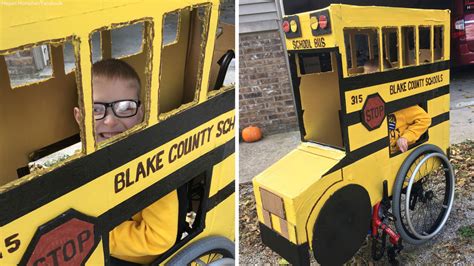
[
  {"x": 373, "y": 112},
  {"x": 67, "y": 240}
]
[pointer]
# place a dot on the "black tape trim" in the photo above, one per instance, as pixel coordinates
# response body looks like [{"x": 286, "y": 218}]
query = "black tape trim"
[
  {"x": 360, "y": 153},
  {"x": 221, "y": 195},
  {"x": 294, "y": 254},
  {"x": 41, "y": 190},
  {"x": 439, "y": 119},
  {"x": 390, "y": 107},
  {"x": 363, "y": 81}
]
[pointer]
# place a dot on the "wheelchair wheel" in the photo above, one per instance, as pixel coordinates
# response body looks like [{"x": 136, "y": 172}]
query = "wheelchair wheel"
[
  {"x": 423, "y": 194},
  {"x": 210, "y": 251}
]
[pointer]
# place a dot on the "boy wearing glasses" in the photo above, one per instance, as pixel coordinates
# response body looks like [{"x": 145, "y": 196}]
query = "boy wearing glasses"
[{"x": 117, "y": 108}]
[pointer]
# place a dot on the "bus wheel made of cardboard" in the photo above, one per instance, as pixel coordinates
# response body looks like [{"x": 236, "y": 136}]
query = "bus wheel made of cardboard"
[
  {"x": 342, "y": 225},
  {"x": 214, "y": 250},
  {"x": 423, "y": 194}
]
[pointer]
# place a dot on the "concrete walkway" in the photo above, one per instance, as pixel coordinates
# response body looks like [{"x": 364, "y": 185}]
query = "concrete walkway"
[{"x": 258, "y": 156}]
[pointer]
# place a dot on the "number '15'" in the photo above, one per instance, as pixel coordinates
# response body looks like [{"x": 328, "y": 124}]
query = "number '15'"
[{"x": 12, "y": 244}]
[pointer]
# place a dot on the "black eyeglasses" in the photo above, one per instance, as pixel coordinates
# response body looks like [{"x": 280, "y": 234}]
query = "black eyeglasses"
[{"x": 121, "y": 109}]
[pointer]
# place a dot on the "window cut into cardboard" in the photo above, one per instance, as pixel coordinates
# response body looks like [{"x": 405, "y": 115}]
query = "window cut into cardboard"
[
  {"x": 96, "y": 47},
  {"x": 364, "y": 51},
  {"x": 349, "y": 43},
  {"x": 69, "y": 57},
  {"x": 222, "y": 73},
  {"x": 182, "y": 62},
  {"x": 424, "y": 34},
  {"x": 438, "y": 43},
  {"x": 408, "y": 46},
  {"x": 314, "y": 63},
  {"x": 394, "y": 131},
  {"x": 170, "y": 28},
  {"x": 30, "y": 65},
  {"x": 38, "y": 132},
  {"x": 390, "y": 48},
  {"x": 127, "y": 40}
]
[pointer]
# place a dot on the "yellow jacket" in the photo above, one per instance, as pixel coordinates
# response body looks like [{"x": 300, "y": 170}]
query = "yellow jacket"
[
  {"x": 409, "y": 123},
  {"x": 150, "y": 233}
]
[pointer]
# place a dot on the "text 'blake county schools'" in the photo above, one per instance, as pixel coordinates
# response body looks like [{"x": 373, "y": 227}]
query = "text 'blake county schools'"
[
  {"x": 179, "y": 149},
  {"x": 415, "y": 84}
]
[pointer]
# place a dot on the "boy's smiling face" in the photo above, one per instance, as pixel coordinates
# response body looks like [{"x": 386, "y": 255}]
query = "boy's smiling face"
[{"x": 107, "y": 90}]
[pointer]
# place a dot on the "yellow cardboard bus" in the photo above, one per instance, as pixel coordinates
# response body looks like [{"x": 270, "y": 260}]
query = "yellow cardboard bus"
[
  {"x": 344, "y": 179},
  {"x": 61, "y": 191}
]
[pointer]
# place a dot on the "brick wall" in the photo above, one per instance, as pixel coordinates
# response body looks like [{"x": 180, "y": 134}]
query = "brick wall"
[{"x": 265, "y": 95}]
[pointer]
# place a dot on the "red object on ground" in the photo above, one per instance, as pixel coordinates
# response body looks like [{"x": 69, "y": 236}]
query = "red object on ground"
[{"x": 251, "y": 134}]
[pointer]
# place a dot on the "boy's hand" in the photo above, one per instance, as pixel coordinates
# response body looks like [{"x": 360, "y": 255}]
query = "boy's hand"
[{"x": 402, "y": 144}]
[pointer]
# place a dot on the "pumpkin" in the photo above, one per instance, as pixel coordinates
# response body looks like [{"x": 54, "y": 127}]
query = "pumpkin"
[{"x": 251, "y": 134}]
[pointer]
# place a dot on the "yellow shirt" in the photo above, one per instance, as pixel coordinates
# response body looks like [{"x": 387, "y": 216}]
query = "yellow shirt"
[
  {"x": 150, "y": 233},
  {"x": 409, "y": 123}
]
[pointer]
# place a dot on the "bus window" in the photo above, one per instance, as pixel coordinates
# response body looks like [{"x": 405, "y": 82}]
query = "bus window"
[
  {"x": 125, "y": 42},
  {"x": 364, "y": 50},
  {"x": 96, "y": 51},
  {"x": 424, "y": 33},
  {"x": 222, "y": 73},
  {"x": 170, "y": 28},
  {"x": 408, "y": 46},
  {"x": 319, "y": 99},
  {"x": 38, "y": 132},
  {"x": 390, "y": 48},
  {"x": 182, "y": 60},
  {"x": 69, "y": 58},
  {"x": 438, "y": 43},
  {"x": 314, "y": 63},
  {"x": 29, "y": 66}
]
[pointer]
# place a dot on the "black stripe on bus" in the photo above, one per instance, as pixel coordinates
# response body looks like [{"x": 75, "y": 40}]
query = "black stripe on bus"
[
  {"x": 439, "y": 119},
  {"x": 221, "y": 195},
  {"x": 376, "y": 146},
  {"x": 39, "y": 191},
  {"x": 367, "y": 80},
  {"x": 390, "y": 107}
]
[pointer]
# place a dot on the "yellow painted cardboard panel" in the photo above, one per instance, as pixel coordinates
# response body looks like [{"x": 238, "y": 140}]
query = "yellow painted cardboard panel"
[
  {"x": 282, "y": 179},
  {"x": 438, "y": 105},
  {"x": 97, "y": 257},
  {"x": 360, "y": 136},
  {"x": 222, "y": 174}
]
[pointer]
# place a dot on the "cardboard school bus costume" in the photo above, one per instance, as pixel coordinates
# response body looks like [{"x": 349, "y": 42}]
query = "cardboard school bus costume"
[
  {"x": 62, "y": 208},
  {"x": 337, "y": 184}
]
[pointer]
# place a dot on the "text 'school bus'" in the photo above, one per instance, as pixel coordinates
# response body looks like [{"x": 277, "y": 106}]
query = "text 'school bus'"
[
  {"x": 62, "y": 192},
  {"x": 325, "y": 195}
]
